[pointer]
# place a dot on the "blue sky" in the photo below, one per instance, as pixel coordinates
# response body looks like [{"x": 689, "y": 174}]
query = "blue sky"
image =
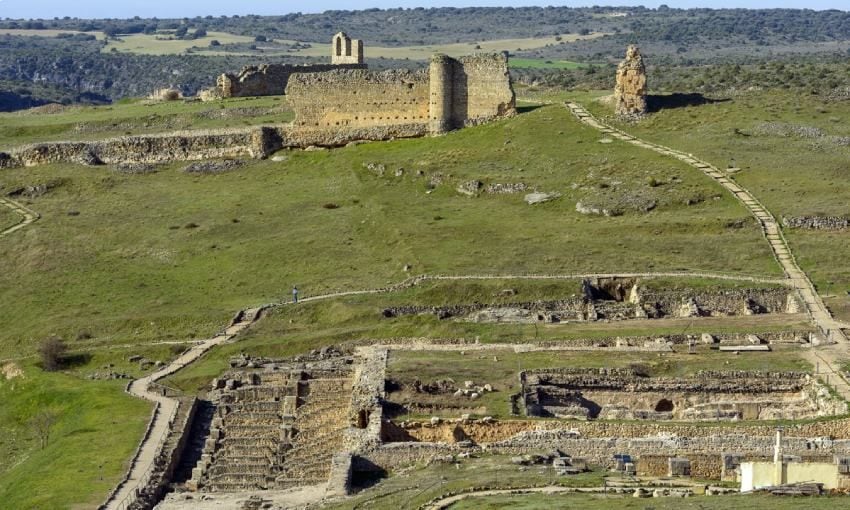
[{"x": 48, "y": 9}]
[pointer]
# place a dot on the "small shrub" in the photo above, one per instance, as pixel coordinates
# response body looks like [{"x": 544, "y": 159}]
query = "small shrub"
[
  {"x": 52, "y": 351},
  {"x": 191, "y": 225},
  {"x": 84, "y": 334},
  {"x": 330, "y": 206}
]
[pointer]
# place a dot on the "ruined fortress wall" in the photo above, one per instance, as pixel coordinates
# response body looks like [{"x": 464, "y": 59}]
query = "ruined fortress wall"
[
  {"x": 481, "y": 89},
  {"x": 453, "y": 93},
  {"x": 269, "y": 79},
  {"x": 181, "y": 146},
  {"x": 346, "y": 99}
]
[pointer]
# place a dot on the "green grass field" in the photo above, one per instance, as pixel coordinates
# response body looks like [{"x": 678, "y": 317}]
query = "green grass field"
[
  {"x": 791, "y": 174},
  {"x": 8, "y": 217},
  {"x": 97, "y": 429},
  {"x": 139, "y": 117},
  {"x": 170, "y": 255}
]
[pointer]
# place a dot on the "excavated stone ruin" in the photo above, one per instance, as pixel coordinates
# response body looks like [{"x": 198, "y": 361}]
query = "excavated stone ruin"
[
  {"x": 618, "y": 299},
  {"x": 623, "y": 394},
  {"x": 276, "y": 425}
]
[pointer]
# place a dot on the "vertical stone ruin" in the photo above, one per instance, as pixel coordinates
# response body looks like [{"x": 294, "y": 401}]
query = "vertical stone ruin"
[
  {"x": 440, "y": 107},
  {"x": 630, "y": 91}
]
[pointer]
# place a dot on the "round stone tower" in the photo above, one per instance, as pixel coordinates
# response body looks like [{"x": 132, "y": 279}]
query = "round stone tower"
[{"x": 440, "y": 107}]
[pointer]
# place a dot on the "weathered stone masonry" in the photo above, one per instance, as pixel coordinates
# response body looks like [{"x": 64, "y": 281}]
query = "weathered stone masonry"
[
  {"x": 332, "y": 109},
  {"x": 268, "y": 79},
  {"x": 453, "y": 93}
]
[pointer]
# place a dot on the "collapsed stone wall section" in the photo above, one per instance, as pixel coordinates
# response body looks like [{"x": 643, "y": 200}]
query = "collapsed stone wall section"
[
  {"x": 255, "y": 143},
  {"x": 817, "y": 222},
  {"x": 268, "y": 79}
]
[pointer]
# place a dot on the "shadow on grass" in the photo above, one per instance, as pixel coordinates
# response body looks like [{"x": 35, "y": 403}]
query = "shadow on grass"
[
  {"x": 678, "y": 100},
  {"x": 76, "y": 360},
  {"x": 528, "y": 108}
]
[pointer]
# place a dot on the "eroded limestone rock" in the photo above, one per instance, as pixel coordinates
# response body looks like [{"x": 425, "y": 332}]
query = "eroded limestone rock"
[{"x": 630, "y": 91}]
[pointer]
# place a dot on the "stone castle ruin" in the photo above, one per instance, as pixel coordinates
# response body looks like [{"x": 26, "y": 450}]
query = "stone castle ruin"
[
  {"x": 630, "y": 90},
  {"x": 272, "y": 79},
  {"x": 334, "y": 105},
  {"x": 453, "y": 93}
]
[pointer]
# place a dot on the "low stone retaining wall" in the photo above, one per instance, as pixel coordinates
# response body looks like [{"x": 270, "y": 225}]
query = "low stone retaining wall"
[{"x": 817, "y": 222}]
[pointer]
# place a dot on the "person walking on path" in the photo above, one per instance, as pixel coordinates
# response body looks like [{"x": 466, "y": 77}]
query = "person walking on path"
[{"x": 295, "y": 294}]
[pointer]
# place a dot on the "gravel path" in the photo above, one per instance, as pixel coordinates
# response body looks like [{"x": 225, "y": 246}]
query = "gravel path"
[{"x": 27, "y": 215}]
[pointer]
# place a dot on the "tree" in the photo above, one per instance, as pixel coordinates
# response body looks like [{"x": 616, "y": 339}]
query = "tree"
[
  {"x": 215, "y": 42},
  {"x": 41, "y": 424},
  {"x": 52, "y": 351},
  {"x": 260, "y": 38}
]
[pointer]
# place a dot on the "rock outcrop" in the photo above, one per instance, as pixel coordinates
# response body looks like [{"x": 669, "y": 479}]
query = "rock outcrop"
[{"x": 630, "y": 91}]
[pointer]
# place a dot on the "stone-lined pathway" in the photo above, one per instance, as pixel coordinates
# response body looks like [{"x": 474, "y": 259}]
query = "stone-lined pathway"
[
  {"x": 830, "y": 358},
  {"x": 27, "y": 215},
  {"x": 142, "y": 464}
]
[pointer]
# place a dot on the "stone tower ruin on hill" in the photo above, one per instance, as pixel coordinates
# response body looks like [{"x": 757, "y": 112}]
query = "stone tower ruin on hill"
[
  {"x": 272, "y": 79},
  {"x": 345, "y": 50},
  {"x": 630, "y": 91}
]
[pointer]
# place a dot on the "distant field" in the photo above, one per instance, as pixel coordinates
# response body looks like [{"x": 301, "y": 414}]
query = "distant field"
[
  {"x": 160, "y": 44},
  {"x": 454, "y": 50},
  {"x": 46, "y": 33},
  {"x": 157, "y": 44},
  {"x": 539, "y": 63}
]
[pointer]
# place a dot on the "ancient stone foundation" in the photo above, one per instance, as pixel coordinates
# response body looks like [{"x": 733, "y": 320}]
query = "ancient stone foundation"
[
  {"x": 625, "y": 395},
  {"x": 620, "y": 299},
  {"x": 630, "y": 90}
]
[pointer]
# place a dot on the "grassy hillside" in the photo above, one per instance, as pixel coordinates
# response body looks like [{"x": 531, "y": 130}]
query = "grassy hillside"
[
  {"x": 792, "y": 151},
  {"x": 171, "y": 255},
  {"x": 137, "y": 116},
  {"x": 97, "y": 429}
]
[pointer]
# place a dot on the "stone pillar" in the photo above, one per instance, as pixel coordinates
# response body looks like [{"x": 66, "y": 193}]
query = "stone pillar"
[
  {"x": 630, "y": 91},
  {"x": 440, "y": 107}
]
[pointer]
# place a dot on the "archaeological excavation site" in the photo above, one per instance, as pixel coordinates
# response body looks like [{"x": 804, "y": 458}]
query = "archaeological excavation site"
[{"x": 352, "y": 274}]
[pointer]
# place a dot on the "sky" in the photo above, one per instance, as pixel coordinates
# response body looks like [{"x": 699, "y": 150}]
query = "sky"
[{"x": 48, "y": 9}]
